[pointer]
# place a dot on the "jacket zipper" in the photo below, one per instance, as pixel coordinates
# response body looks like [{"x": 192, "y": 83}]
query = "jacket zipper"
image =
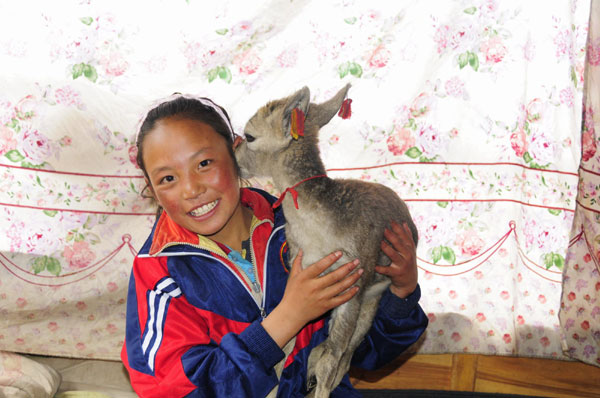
[{"x": 256, "y": 286}]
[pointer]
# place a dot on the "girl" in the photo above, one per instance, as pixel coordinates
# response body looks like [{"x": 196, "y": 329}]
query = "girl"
[{"x": 212, "y": 300}]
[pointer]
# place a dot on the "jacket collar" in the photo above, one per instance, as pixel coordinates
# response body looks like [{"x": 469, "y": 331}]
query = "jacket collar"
[{"x": 168, "y": 233}]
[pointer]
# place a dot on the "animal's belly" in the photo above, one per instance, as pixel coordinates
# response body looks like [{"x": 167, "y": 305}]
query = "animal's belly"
[{"x": 317, "y": 242}]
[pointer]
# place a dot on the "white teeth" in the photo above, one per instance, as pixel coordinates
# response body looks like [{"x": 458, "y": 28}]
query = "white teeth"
[{"x": 200, "y": 211}]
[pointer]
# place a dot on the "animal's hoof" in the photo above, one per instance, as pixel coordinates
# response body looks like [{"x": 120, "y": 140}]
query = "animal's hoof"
[{"x": 311, "y": 383}]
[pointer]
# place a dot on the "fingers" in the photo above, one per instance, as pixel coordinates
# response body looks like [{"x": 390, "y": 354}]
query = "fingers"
[
  {"x": 399, "y": 237},
  {"x": 320, "y": 266},
  {"x": 344, "y": 281},
  {"x": 297, "y": 263}
]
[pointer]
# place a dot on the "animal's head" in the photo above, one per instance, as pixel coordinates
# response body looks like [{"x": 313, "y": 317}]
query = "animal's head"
[{"x": 268, "y": 133}]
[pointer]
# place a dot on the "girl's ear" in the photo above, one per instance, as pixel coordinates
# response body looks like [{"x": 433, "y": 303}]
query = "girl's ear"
[{"x": 148, "y": 192}]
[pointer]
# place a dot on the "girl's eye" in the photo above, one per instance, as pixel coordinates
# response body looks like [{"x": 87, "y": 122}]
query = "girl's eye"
[
  {"x": 166, "y": 179},
  {"x": 205, "y": 163},
  {"x": 249, "y": 138}
]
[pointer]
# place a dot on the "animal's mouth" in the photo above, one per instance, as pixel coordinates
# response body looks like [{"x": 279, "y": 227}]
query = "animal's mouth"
[{"x": 204, "y": 209}]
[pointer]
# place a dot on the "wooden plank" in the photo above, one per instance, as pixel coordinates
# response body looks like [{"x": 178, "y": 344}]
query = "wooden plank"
[
  {"x": 464, "y": 369},
  {"x": 432, "y": 372},
  {"x": 533, "y": 376}
]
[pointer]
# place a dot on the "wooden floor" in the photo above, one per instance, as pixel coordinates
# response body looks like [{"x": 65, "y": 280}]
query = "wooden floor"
[{"x": 481, "y": 373}]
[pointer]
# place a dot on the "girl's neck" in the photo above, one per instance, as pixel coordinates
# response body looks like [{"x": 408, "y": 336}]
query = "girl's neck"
[{"x": 236, "y": 230}]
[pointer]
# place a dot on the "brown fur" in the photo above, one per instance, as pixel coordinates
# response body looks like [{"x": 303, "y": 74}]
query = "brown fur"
[{"x": 334, "y": 214}]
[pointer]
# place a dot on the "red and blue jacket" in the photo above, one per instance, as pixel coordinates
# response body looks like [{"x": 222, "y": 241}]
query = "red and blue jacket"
[{"x": 194, "y": 329}]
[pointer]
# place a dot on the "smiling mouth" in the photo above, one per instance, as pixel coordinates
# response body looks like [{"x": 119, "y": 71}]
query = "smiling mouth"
[{"x": 202, "y": 210}]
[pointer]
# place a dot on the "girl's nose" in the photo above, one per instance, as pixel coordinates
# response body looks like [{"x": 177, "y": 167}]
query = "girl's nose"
[{"x": 192, "y": 188}]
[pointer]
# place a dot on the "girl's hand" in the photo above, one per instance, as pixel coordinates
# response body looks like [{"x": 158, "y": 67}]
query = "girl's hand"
[
  {"x": 403, "y": 269},
  {"x": 309, "y": 295}
]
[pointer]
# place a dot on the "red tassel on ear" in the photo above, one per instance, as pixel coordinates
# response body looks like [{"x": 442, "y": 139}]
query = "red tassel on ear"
[
  {"x": 297, "y": 123},
  {"x": 345, "y": 110}
]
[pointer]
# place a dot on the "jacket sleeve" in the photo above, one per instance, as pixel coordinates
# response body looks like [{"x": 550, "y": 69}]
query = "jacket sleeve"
[
  {"x": 397, "y": 325},
  {"x": 169, "y": 353}
]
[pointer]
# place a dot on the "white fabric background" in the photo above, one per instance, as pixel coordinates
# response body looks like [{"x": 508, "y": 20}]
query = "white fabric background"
[{"x": 470, "y": 110}]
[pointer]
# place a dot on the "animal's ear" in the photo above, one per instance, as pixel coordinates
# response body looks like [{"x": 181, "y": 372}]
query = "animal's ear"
[
  {"x": 301, "y": 100},
  {"x": 322, "y": 113}
]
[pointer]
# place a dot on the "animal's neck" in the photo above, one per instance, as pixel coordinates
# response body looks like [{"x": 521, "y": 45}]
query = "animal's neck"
[{"x": 300, "y": 165}]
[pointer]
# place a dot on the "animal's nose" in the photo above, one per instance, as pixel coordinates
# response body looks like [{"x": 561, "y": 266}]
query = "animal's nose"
[{"x": 237, "y": 141}]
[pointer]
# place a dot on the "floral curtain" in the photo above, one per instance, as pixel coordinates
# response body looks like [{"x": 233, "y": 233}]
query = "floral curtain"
[
  {"x": 580, "y": 300},
  {"x": 471, "y": 110}
]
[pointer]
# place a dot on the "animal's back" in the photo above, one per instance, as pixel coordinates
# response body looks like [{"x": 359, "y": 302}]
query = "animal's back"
[{"x": 366, "y": 207}]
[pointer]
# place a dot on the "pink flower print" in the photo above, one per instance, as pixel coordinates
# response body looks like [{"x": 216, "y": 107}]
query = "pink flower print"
[
  {"x": 480, "y": 317},
  {"x": 545, "y": 341},
  {"x": 542, "y": 299},
  {"x": 542, "y": 148},
  {"x": 518, "y": 142},
  {"x": 507, "y": 338},
  {"x": 247, "y": 62},
  {"x": 400, "y": 141},
  {"x": 53, "y": 326},
  {"x": 242, "y": 28},
  {"x": 288, "y": 58},
  {"x": 566, "y": 97},
  {"x": 380, "y": 57},
  {"x": 534, "y": 110},
  {"x": 455, "y": 88},
  {"x": 21, "y": 302},
  {"x": 26, "y": 106},
  {"x": 564, "y": 44},
  {"x": 132, "y": 152},
  {"x": 36, "y": 146},
  {"x": 65, "y": 141},
  {"x": 112, "y": 286},
  {"x": 8, "y": 141},
  {"x": 494, "y": 50},
  {"x": 456, "y": 337},
  {"x": 588, "y": 146},
  {"x": 79, "y": 255},
  {"x": 67, "y": 96},
  {"x": 421, "y": 105},
  {"x": 441, "y": 38},
  {"x": 114, "y": 63},
  {"x": 432, "y": 141},
  {"x": 469, "y": 242}
]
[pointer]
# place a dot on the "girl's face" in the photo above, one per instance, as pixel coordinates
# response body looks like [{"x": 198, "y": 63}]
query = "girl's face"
[{"x": 192, "y": 176}]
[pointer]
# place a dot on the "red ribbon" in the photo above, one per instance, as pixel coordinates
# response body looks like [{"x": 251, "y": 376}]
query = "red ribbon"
[
  {"x": 293, "y": 191},
  {"x": 345, "y": 110}
]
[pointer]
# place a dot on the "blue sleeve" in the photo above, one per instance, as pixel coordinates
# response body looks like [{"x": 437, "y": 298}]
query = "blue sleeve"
[
  {"x": 397, "y": 325},
  {"x": 241, "y": 365}
]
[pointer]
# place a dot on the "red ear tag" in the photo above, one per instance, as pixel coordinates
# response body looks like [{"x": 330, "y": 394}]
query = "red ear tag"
[
  {"x": 345, "y": 110},
  {"x": 297, "y": 123}
]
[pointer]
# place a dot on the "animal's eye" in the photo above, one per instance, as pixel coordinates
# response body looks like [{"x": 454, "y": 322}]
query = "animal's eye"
[{"x": 249, "y": 137}]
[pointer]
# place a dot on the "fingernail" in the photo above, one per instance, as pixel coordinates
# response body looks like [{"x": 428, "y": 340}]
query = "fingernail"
[
  {"x": 356, "y": 262},
  {"x": 338, "y": 254},
  {"x": 360, "y": 271}
]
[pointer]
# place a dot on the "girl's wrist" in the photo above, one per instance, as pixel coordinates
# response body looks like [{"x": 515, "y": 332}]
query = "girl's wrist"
[{"x": 282, "y": 325}]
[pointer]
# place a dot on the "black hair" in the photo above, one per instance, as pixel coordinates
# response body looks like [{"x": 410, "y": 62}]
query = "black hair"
[{"x": 185, "y": 108}]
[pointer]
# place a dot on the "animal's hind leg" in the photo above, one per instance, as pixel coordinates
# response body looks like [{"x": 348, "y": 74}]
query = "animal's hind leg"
[
  {"x": 367, "y": 313},
  {"x": 324, "y": 360}
]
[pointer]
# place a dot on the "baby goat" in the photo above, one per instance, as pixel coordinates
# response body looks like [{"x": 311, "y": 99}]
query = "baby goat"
[{"x": 330, "y": 214}]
